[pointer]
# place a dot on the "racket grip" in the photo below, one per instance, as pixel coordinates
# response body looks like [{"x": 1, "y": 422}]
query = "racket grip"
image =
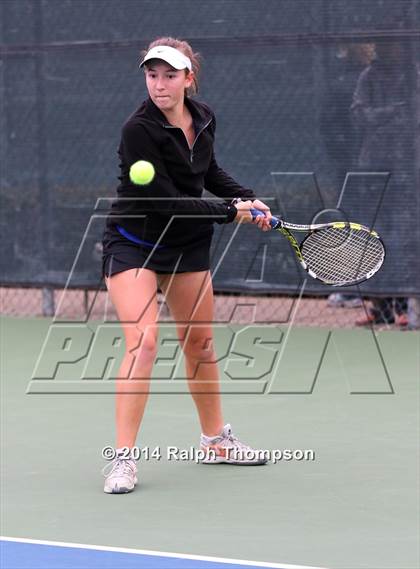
[{"x": 257, "y": 212}]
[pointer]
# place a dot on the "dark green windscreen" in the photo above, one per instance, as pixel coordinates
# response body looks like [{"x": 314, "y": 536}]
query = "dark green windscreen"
[{"x": 317, "y": 105}]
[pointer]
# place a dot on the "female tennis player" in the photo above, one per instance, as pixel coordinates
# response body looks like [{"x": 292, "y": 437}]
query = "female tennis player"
[{"x": 159, "y": 236}]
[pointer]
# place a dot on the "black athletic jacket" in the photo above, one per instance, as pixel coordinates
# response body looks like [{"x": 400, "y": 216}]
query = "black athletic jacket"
[{"x": 181, "y": 176}]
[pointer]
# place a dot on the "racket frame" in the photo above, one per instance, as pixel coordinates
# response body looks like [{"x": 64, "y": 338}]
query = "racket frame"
[{"x": 285, "y": 229}]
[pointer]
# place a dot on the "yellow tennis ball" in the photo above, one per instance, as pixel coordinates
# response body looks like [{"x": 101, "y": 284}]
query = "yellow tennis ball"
[{"x": 142, "y": 172}]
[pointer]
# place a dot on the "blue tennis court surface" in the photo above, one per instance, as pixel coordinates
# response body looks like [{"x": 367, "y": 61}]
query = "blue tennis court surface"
[{"x": 33, "y": 554}]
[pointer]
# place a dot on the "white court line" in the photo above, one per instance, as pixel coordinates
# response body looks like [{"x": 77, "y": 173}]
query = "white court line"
[{"x": 158, "y": 553}]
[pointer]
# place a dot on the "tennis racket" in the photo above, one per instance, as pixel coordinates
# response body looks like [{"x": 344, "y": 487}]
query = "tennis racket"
[{"x": 338, "y": 253}]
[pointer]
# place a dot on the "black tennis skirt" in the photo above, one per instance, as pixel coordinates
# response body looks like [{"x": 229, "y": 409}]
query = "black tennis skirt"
[{"x": 121, "y": 252}]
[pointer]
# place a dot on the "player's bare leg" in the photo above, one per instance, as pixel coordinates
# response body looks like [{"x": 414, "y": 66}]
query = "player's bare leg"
[
  {"x": 190, "y": 299},
  {"x": 133, "y": 294}
]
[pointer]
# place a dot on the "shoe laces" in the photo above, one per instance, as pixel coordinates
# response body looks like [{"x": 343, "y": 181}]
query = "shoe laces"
[
  {"x": 119, "y": 467},
  {"x": 232, "y": 441}
]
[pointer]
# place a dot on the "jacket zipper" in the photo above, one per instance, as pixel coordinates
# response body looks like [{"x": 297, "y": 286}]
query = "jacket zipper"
[{"x": 191, "y": 149}]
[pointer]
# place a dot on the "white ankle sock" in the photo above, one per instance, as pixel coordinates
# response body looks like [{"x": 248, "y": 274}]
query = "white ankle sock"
[{"x": 207, "y": 439}]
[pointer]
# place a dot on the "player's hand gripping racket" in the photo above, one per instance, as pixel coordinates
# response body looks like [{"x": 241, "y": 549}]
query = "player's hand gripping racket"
[{"x": 338, "y": 254}]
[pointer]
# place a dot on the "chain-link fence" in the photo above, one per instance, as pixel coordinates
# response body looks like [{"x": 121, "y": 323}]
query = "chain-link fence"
[
  {"x": 282, "y": 77},
  {"x": 230, "y": 309}
]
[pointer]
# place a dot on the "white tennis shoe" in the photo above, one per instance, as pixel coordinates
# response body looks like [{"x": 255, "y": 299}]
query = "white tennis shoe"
[
  {"x": 121, "y": 476},
  {"x": 228, "y": 449}
]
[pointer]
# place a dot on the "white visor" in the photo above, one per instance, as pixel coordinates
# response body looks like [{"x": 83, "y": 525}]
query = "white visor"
[{"x": 169, "y": 54}]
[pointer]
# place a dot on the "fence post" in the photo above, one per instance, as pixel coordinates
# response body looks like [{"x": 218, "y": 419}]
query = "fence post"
[{"x": 48, "y": 305}]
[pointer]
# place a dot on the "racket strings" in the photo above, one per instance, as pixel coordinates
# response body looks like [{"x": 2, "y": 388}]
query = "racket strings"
[{"x": 342, "y": 255}]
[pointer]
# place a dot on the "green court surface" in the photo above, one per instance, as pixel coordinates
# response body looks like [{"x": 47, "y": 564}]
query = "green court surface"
[{"x": 354, "y": 506}]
